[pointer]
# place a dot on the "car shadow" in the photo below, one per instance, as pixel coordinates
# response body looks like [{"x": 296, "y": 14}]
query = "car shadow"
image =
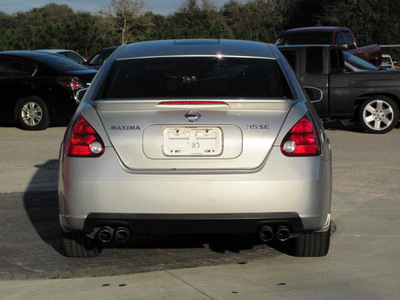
[
  {"x": 343, "y": 125},
  {"x": 41, "y": 204},
  {"x": 12, "y": 124},
  {"x": 219, "y": 243},
  {"x": 346, "y": 125},
  {"x": 6, "y": 124}
]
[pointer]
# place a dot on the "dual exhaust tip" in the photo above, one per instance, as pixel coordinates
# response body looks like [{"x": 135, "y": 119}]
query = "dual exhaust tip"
[
  {"x": 106, "y": 234},
  {"x": 122, "y": 234},
  {"x": 266, "y": 233}
]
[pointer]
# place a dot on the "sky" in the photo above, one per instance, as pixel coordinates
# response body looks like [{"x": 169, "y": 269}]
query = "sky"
[{"x": 163, "y": 7}]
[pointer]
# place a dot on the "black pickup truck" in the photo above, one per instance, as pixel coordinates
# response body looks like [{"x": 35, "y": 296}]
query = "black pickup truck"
[{"x": 371, "y": 97}]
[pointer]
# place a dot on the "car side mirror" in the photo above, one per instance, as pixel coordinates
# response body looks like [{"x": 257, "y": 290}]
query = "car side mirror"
[
  {"x": 314, "y": 94},
  {"x": 344, "y": 46},
  {"x": 79, "y": 95}
]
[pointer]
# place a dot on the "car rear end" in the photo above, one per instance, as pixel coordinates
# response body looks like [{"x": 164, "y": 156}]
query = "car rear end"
[
  {"x": 41, "y": 87},
  {"x": 69, "y": 74},
  {"x": 68, "y": 77},
  {"x": 197, "y": 136}
]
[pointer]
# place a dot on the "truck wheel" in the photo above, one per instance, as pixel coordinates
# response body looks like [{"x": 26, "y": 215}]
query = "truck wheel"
[
  {"x": 31, "y": 113},
  {"x": 379, "y": 114},
  {"x": 312, "y": 244},
  {"x": 77, "y": 244}
]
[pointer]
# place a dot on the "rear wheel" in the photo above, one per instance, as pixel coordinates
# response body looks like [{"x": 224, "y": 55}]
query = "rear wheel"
[
  {"x": 32, "y": 113},
  {"x": 77, "y": 244},
  {"x": 379, "y": 114},
  {"x": 312, "y": 244}
]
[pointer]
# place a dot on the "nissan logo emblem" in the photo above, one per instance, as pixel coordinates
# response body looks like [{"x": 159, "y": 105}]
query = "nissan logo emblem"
[{"x": 192, "y": 116}]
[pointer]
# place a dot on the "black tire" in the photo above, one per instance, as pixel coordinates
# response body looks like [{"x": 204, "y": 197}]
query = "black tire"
[
  {"x": 312, "y": 244},
  {"x": 77, "y": 244},
  {"x": 379, "y": 114},
  {"x": 31, "y": 113}
]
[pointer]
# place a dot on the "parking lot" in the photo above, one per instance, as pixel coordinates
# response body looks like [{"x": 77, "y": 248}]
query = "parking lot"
[{"x": 364, "y": 261}]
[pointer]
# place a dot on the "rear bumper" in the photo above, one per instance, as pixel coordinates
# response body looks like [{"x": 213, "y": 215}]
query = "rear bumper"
[
  {"x": 293, "y": 192},
  {"x": 193, "y": 223}
]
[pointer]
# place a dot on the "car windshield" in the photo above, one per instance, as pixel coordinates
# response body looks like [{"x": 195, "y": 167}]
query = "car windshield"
[
  {"x": 358, "y": 62},
  {"x": 304, "y": 38},
  {"x": 196, "y": 77},
  {"x": 59, "y": 63},
  {"x": 100, "y": 57}
]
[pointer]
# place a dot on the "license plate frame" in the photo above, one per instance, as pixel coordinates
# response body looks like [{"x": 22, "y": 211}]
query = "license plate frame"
[{"x": 192, "y": 141}]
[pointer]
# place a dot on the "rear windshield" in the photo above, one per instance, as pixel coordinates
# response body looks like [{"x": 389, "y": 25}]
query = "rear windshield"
[
  {"x": 358, "y": 62},
  {"x": 305, "y": 38},
  {"x": 196, "y": 77},
  {"x": 101, "y": 57}
]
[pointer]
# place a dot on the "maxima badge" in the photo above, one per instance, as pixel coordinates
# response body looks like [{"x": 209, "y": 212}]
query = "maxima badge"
[{"x": 192, "y": 116}]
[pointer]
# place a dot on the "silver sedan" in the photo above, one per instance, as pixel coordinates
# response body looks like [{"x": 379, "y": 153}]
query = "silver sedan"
[{"x": 195, "y": 136}]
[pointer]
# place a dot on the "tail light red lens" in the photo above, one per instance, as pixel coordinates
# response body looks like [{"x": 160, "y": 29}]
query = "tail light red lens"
[
  {"x": 84, "y": 140},
  {"x": 302, "y": 139},
  {"x": 70, "y": 83}
]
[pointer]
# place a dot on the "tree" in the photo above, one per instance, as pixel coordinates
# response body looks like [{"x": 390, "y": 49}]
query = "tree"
[
  {"x": 58, "y": 26},
  {"x": 253, "y": 20},
  {"x": 82, "y": 35},
  {"x": 163, "y": 28},
  {"x": 199, "y": 19},
  {"x": 372, "y": 21},
  {"x": 125, "y": 18}
]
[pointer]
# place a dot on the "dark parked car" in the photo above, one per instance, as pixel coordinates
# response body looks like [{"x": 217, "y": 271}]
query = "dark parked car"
[
  {"x": 39, "y": 87},
  {"x": 100, "y": 57},
  {"x": 68, "y": 53}
]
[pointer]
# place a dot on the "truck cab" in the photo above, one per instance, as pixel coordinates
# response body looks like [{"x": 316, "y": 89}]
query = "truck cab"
[
  {"x": 329, "y": 35},
  {"x": 311, "y": 67},
  {"x": 371, "y": 97}
]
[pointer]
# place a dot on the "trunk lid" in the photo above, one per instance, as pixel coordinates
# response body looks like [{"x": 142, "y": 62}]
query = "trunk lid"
[{"x": 185, "y": 135}]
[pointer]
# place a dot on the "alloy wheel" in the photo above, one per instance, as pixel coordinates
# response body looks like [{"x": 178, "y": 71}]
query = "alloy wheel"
[
  {"x": 32, "y": 113},
  {"x": 378, "y": 115}
]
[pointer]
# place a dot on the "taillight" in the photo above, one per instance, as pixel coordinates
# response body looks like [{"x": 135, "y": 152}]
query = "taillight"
[
  {"x": 84, "y": 140},
  {"x": 70, "y": 83},
  {"x": 302, "y": 139}
]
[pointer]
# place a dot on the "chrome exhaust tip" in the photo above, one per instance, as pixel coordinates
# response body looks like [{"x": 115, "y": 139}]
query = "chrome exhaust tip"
[
  {"x": 105, "y": 234},
  {"x": 282, "y": 233},
  {"x": 122, "y": 234},
  {"x": 265, "y": 233}
]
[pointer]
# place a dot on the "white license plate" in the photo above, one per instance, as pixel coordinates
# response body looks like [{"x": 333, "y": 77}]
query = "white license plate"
[{"x": 192, "y": 141}]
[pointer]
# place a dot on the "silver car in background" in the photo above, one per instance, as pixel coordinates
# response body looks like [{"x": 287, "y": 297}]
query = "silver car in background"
[{"x": 195, "y": 136}]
